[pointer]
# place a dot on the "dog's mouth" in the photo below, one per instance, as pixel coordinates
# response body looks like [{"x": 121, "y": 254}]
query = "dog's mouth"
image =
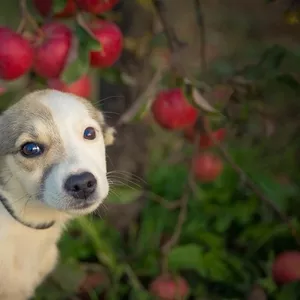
[
  {"x": 85, "y": 204},
  {"x": 84, "y": 207}
]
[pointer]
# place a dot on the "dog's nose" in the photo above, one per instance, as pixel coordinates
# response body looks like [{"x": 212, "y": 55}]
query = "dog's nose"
[{"x": 81, "y": 185}]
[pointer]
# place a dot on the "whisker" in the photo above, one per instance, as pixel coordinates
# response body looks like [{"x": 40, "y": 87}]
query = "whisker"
[
  {"x": 129, "y": 183},
  {"x": 99, "y": 101},
  {"x": 121, "y": 172}
]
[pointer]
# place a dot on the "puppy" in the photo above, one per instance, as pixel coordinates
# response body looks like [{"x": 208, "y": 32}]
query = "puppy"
[{"x": 53, "y": 168}]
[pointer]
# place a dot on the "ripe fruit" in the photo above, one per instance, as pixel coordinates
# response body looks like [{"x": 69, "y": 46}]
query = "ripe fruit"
[
  {"x": 111, "y": 39},
  {"x": 51, "y": 50},
  {"x": 204, "y": 141},
  {"x": 169, "y": 288},
  {"x": 286, "y": 267},
  {"x": 44, "y": 7},
  {"x": 96, "y": 6},
  {"x": 171, "y": 110},
  {"x": 81, "y": 87},
  {"x": 207, "y": 167},
  {"x": 16, "y": 54}
]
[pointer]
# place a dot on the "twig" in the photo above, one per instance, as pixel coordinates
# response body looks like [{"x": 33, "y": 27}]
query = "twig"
[
  {"x": 249, "y": 182},
  {"x": 174, "y": 43},
  {"x": 201, "y": 25},
  {"x": 133, "y": 278},
  {"x": 26, "y": 17},
  {"x": 189, "y": 188},
  {"x": 81, "y": 21},
  {"x": 166, "y": 204},
  {"x": 145, "y": 97},
  {"x": 176, "y": 46},
  {"x": 180, "y": 221}
]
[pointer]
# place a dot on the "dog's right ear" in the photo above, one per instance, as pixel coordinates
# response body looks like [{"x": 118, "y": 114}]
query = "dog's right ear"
[
  {"x": 108, "y": 131},
  {"x": 109, "y": 135}
]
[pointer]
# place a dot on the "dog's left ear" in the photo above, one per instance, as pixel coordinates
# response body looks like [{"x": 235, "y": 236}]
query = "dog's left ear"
[{"x": 108, "y": 132}]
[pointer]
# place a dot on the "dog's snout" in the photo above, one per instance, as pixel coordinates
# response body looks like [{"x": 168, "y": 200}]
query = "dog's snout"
[{"x": 81, "y": 185}]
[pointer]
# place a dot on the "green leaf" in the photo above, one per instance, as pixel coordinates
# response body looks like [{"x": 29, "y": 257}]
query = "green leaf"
[
  {"x": 7, "y": 98},
  {"x": 159, "y": 40},
  {"x": 68, "y": 277},
  {"x": 58, "y": 5},
  {"x": 186, "y": 257},
  {"x": 289, "y": 292},
  {"x": 80, "y": 65},
  {"x": 123, "y": 195},
  {"x": 87, "y": 38},
  {"x": 111, "y": 75},
  {"x": 77, "y": 68},
  {"x": 272, "y": 57}
]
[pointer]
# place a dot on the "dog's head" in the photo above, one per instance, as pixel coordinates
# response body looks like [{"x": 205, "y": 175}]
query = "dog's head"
[{"x": 53, "y": 145}]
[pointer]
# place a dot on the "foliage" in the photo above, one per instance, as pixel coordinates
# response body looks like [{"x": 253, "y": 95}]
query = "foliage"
[{"x": 231, "y": 232}]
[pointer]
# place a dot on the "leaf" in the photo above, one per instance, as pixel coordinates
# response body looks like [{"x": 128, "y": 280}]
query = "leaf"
[
  {"x": 102, "y": 247},
  {"x": 76, "y": 69},
  {"x": 68, "y": 277},
  {"x": 80, "y": 62},
  {"x": 58, "y": 5},
  {"x": 111, "y": 75},
  {"x": 123, "y": 195},
  {"x": 87, "y": 38},
  {"x": 159, "y": 40},
  {"x": 196, "y": 99},
  {"x": 289, "y": 291},
  {"x": 186, "y": 257},
  {"x": 278, "y": 193},
  {"x": 8, "y": 98},
  {"x": 201, "y": 102},
  {"x": 272, "y": 57}
]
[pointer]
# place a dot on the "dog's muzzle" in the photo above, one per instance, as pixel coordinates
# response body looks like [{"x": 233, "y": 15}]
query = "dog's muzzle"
[{"x": 81, "y": 186}]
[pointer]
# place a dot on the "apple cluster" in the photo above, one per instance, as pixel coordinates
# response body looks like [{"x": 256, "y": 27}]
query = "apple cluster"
[
  {"x": 172, "y": 111},
  {"x": 54, "y": 46}
]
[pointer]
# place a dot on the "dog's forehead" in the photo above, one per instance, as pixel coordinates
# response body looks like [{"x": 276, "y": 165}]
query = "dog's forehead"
[{"x": 64, "y": 106}]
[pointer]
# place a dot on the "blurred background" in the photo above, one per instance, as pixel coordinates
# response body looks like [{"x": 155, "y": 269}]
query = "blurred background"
[{"x": 204, "y": 95}]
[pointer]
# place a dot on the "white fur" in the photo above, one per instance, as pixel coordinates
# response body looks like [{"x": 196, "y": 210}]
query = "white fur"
[{"x": 28, "y": 255}]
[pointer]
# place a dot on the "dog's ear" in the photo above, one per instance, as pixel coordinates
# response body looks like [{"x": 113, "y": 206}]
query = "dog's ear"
[
  {"x": 109, "y": 135},
  {"x": 108, "y": 131}
]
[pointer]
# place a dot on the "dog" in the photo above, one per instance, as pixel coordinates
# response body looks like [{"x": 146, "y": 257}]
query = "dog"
[{"x": 53, "y": 168}]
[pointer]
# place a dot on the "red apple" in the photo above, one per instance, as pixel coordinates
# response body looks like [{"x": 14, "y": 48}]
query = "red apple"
[
  {"x": 51, "y": 50},
  {"x": 286, "y": 267},
  {"x": 96, "y": 6},
  {"x": 81, "y": 87},
  {"x": 207, "y": 167},
  {"x": 204, "y": 140},
  {"x": 111, "y": 39},
  {"x": 166, "y": 287},
  {"x": 16, "y": 54},
  {"x": 44, "y": 7},
  {"x": 171, "y": 110}
]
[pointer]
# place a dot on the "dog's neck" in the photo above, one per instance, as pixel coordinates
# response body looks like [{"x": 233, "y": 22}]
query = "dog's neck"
[{"x": 27, "y": 209}]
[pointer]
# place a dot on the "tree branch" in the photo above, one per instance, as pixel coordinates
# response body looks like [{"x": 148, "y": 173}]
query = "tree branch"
[
  {"x": 201, "y": 25},
  {"x": 249, "y": 182}
]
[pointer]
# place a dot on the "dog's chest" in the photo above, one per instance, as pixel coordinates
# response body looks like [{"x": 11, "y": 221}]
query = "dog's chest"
[{"x": 26, "y": 257}]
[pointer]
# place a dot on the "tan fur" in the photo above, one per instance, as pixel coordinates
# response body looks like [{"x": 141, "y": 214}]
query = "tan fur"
[{"x": 32, "y": 187}]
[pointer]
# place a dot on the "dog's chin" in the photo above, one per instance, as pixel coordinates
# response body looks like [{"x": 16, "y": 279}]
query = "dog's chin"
[{"x": 84, "y": 207}]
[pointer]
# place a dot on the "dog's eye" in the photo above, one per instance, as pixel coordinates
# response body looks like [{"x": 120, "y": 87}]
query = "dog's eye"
[
  {"x": 89, "y": 133},
  {"x": 32, "y": 149}
]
